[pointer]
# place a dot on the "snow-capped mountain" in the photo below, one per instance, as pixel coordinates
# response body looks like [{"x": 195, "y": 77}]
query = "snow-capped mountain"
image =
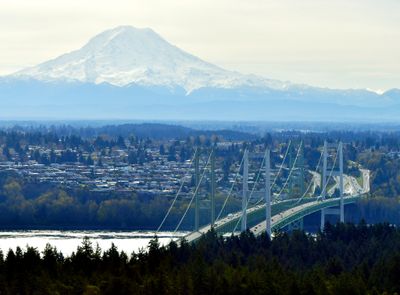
[
  {"x": 130, "y": 73},
  {"x": 126, "y": 55}
]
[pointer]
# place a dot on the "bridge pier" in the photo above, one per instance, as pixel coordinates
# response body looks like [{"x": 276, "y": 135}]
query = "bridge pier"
[
  {"x": 324, "y": 184},
  {"x": 212, "y": 187},
  {"x": 245, "y": 189},
  {"x": 267, "y": 192},
  {"x": 197, "y": 194},
  {"x": 341, "y": 185}
]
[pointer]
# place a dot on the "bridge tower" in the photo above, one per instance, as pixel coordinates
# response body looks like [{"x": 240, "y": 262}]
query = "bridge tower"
[
  {"x": 213, "y": 187},
  {"x": 197, "y": 191},
  {"x": 332, "y": 211},
  {"x": 323, "y": 180},
  {"x": 268, "y": 192},
  {"x": 245, "y": 189},
  {"x": 341, "y": 185}
]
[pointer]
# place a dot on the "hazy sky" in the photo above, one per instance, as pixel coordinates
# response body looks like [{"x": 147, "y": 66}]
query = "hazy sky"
[{"x": 335, "y": 43}]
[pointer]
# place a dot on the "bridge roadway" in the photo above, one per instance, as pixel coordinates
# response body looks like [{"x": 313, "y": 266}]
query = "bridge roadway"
[
  {"x": 284, "y": 218},
  {"x": 282, "y": 215}
]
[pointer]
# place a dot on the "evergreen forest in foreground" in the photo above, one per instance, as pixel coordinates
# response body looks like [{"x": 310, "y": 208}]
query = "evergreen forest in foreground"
[{"x": 344, "y": 259}]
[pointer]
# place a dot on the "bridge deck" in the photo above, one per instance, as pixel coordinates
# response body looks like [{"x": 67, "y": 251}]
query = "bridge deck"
[
  {"x": 284, "y": 218},
  {"x": 281, "y": 215}
]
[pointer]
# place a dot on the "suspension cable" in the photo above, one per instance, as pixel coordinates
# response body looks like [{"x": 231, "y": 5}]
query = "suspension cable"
[
  {"x": 194, "y": 194},
  {"x": 311, "y": 182},
  {"x": 179, "y": 191},
  {"x": 291, "y": 170},
  {"x": 294, "y": 163},
  {"x": 252, "y": 191},
  {"x": 258, "y": 176},
  {"x": 280, "y": 167},
  {"x": 231, "y": 190},
  {"x": 278, "y": 173}
]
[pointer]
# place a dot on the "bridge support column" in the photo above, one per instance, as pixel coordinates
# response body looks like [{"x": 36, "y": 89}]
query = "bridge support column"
[
  {"x": 339, "y": 211},
  {"x": 196, "y": 198},
  {"x": 341, "y": 186},
  {"x": 267, "y": 192},
  {"x": 323, "y": 181},
  {"x": 245, "y": 189},
  {"x": 212, "y": 187}
]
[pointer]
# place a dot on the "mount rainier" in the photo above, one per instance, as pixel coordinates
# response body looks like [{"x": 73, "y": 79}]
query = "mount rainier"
[
  {"x": 126, "y": 55},
  {"x": 131, "y": 73}
]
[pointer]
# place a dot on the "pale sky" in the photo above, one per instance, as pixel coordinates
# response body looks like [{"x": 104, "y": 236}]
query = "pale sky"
[{"x": 335, "y": 43}]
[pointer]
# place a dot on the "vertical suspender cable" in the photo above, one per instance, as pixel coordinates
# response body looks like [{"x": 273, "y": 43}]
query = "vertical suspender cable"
[
  {"x": 194, "y": 194},
  {"x": 177, "y": 194}
]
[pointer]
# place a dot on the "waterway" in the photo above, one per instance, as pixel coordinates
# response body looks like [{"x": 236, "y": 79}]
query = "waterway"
[{"x": 68, "y": 241}]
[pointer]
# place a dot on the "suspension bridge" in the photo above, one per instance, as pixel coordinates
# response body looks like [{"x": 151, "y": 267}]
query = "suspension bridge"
[{"x": 270, "y": 209}]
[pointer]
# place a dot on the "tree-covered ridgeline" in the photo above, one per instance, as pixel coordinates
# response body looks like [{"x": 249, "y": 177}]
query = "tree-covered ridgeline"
[
  {"x": 344, "y": 259},
  {"x": 40, "y": 205}
]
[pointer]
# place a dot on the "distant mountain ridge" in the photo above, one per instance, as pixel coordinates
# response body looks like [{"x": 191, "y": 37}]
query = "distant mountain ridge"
[{"x": 130, "y": 73}]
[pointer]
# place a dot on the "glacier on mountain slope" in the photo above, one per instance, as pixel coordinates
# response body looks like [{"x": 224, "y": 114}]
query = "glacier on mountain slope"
[{"x": 127, "y": 55}]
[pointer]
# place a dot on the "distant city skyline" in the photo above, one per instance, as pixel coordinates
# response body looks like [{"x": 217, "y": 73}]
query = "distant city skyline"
[{"x": 335, "y": 44}]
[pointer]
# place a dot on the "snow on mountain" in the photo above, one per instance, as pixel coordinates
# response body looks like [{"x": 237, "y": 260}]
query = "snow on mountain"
[{"x": 126, "y": 55}]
